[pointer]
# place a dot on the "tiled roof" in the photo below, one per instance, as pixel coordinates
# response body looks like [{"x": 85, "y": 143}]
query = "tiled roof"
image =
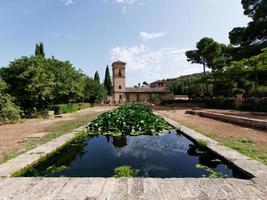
[
  {"x": 119, "y": 62},
  {"x": 146, "y": 90}
]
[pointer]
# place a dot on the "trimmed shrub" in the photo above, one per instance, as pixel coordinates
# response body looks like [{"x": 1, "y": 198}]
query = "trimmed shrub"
[{"x": 68, "y": 108}]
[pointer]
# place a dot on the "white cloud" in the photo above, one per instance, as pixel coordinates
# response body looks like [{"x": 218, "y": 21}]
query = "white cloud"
[
  {"x": 64, "y": 36},
  {"x": 149, "y": 36},
  {"x": 67, "y": 2},
  {"x": 151, "y": 64},
  {"x": 125, "y": 3},
  {"x": 129, "y": 2}
]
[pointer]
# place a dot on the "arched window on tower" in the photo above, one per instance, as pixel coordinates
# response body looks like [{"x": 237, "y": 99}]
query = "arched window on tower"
[
  {"x": 119, "y": 87},
  {"x": 120, "y": 74}
]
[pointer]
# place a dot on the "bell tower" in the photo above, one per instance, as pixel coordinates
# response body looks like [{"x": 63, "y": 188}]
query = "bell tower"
[{"x": 118, "y": 72}]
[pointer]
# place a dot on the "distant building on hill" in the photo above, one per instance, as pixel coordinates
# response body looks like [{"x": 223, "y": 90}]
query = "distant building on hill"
[{"x": 121, "y": 93}]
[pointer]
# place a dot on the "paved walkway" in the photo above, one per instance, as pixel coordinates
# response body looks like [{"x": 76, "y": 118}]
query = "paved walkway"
[
  {"x": 12, "y": 134},
  {"x": 129, "y": 188}
]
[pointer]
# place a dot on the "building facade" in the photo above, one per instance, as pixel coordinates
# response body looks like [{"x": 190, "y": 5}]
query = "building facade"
[{"x": 122, "y": 94}]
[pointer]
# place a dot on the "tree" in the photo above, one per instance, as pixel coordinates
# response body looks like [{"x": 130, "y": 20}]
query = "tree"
[
  {"x": 8, "y": 110},
  {"x": 29, "y": 83},
  {"x": 96, "y": 77},
  {"x": 94, "y": 92},
  {"x": 68, "y": 82},
  {"x": 251, "y": 39},
  {"x": 39, "y": 49},
  {"x": 107, "y": 81},
  {"x": 145, "y": 83},
  {"x": 206, "y": 53}
]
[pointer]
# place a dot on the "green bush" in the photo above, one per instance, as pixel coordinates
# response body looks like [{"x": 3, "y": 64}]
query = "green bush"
[
  {"x": 253, "y": 104},
  {"x": 179, "y": 101},
  {"x": 9, "y": 112},
  {"x": 249, "y": 105},
  {"x": 262, "y": 105},
  {"x": 68, "y": 108},
  {"x": 221, "y": 103}
]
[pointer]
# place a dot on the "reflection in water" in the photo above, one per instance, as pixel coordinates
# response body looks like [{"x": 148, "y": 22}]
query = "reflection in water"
[
  {"x": 164, "y": 156},
  {"x": 120, "y": 141}
]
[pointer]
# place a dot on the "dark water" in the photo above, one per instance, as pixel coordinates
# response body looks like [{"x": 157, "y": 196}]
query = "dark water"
[{"x": 165, "y": 156}]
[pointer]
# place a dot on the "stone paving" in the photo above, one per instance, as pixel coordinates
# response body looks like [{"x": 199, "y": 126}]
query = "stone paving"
[{"x": 134, "y": 188}]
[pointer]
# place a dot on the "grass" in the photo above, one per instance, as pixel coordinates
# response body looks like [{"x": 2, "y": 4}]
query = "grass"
[
  {"x": 202, "y": 144},
  {"x": 57, "y": 130},
  {"x": 243, "y": 145},
  {"x": 125, "y": 171}
]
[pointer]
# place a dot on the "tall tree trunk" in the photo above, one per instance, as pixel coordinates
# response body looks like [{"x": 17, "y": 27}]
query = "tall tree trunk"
[{"x": 205, "y": 77}]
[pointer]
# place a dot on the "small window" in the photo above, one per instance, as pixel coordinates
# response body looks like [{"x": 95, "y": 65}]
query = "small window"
[
  {"x": 120, "y": 74},
  {"x": 120, "y": 97},
  {"x": 119, "y": 87}
]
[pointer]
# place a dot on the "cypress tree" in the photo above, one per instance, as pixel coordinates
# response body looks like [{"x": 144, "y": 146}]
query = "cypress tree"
[
  {"x": 96, "y": 77},
  {"x": 39, "y": 49},
  {"x": 107, "y": 81}
]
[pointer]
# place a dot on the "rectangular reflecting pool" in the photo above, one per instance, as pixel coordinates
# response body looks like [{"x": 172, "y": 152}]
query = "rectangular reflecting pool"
[{"x": 163, "y": 156}]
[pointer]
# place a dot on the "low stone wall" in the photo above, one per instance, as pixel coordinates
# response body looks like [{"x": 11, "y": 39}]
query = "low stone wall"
[{"x": 248, "y": 122}]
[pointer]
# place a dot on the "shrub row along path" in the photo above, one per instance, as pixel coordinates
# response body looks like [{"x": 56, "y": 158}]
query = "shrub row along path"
[
  {"x": 12, "y": 135},
  {"x": 250, "y": 142}
]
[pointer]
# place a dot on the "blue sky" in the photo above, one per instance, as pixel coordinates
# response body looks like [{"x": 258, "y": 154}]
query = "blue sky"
[{"x": 150, "y": 35}]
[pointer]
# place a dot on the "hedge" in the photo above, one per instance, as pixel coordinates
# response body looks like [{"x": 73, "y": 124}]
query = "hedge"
[
  {"x": 221, "y": 103},
  {"x": 68, "y": 108},
  {"x": 252, "y": 104},
  {"x": 249, "y": 104}
]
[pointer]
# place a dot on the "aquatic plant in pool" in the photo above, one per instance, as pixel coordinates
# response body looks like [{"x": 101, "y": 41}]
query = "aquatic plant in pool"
[{"x": 129, "y": 119}]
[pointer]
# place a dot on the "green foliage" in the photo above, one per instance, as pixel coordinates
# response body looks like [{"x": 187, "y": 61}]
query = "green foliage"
[
  {"x": 9, "y": 112},
  {"x": 213, "y": 173},
  {"x": 94, "y": 92},
  {"x": 133, "y": 119},
  {"x": 68, "y": 108},
  {"x": 202, "y": 144},
  {"x": 125, "y": 171},
  {"x": 221, "y": 103},
  {"x": 253, "y": 104},
  {"x": 96, "y": 77},
  {"x": 29, "y": 83},
  {"x": 37, "y": 83},
  {"x": 206, "y": 53},
  {"x": 68, "y": 83},
  {"x": 251, "y": 39},
  {"x": 107, "y": 81},
  {"x": 238, "y": 91},
  {"x": 39, "y": 49},
  {"x": 191, "y": 85},
  {"x": 156, "y": 98}
]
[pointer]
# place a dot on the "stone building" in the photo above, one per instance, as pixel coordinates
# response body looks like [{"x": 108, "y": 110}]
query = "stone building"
[{"x": 122, "y": 94}]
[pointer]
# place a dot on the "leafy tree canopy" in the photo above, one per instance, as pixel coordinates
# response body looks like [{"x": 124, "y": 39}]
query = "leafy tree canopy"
[{"x": 251, "y": 39}]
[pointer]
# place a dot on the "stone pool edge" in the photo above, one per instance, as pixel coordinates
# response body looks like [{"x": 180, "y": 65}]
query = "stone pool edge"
[
  {"x": 252, "y": 167},
  {"x": 24, "y": 160}
]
